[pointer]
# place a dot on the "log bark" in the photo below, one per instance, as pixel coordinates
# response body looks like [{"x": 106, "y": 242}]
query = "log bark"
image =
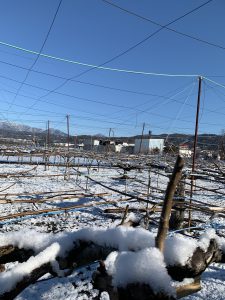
[
  {"x": 177, "y": 215},
  {"x": 188, "y": 289},
  {"x": 197, "y": 264},
  {"x": 135, "y": 291},
  {"x": 168, "y": 202},
  {"x": 83, "y": 253},
  {"x": 10, "y": 253},
  {"x": 26, "y": 281}
]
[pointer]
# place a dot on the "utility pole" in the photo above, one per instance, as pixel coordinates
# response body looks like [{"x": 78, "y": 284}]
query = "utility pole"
[
  {"x": 75, "y": 141},
  {"x": 143, "y": 128},
  {"x": 195, "y": 142},
  {"x": 68, "y": 132},
  {"x": 47, "y": 143},
  {"x": 108, "y": 146}
]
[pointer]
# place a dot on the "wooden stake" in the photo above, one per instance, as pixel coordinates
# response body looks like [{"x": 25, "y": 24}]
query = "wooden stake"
[
  {"x": 168, "y": 202},
  {"x": 125, "y": 215}
]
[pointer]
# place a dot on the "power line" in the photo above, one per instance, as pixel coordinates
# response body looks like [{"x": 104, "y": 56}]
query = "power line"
[
  {"x": 129, "y": 49},
  {"x": 84, "y": 82},
  {"x": 38, "y": 55},
  {"x": 114, "y": 58},
  {"x": 166, "y": 26},
  {"x": 215, "y": 82},
  {"x": 96, "y": 66},
  {"x": 97, "y": 101},
  {"x": 71, "y": 96}
]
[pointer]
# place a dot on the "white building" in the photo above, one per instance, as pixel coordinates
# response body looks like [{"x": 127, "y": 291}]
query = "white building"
[
  {"x": 91, "y": 144},
  {"x": 184, "y": 150},
  {"x": 148, "y": 145}
]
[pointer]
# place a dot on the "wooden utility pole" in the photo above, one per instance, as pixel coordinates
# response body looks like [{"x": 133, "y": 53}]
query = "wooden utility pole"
[
  {"x": 68, "y": 132},
  {"x": 75, "y": 141},
  {"x": 143, "y": 128},
  {"x": 48, "y": 135},
  {"x": 195, "y": 143},
  {"x": 108, "y": 145},
  {"x": 196, "y": 123}
]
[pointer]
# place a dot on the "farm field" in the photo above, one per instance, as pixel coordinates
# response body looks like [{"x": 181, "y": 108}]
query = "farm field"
[{"x": 53, "y": 201}]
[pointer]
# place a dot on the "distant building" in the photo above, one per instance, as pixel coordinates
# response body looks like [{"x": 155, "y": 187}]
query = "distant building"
[
  {"x": 91, "y": 144},
  {"x": 184, "y": 150},
  {"x": 148, "y": 145}
]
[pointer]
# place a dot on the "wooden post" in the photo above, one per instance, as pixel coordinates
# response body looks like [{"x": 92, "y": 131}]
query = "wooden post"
[
  {"x": 168, "y": 202},
  {"x": 47, "y": 136},
  {"x": 143, "y": 128},
  {"x": 195, "y": 143},
  {"x": 68, "y": 132},
  {"x": 47, "y": 144},
  {"x": 177, "y": 217}
]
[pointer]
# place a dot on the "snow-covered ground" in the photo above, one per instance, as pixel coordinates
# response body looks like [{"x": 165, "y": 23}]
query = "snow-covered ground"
[{"x": 33, "y": 184}]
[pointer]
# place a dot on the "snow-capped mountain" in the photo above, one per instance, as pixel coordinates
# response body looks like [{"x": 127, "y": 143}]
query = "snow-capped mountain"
[{"x": 12, "y": 127}]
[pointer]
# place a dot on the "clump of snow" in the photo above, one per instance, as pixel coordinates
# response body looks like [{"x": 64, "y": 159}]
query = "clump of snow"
[
  {"x": 178, "y": 249},
  {"x": 221, "y": 243},
  {"x": 205, "y": 238},
  {"x": 132, "y": 217},
  {"x": 27, "y": 239},
  {"x": 121, "y": 238},
  {"x": 110, "y": 262},
  {"x": 145, "y": 266},
  {"x": 104, "y": 296},
  {"x": 185, "y": 281},
  {"x": 10, "y": 278}
]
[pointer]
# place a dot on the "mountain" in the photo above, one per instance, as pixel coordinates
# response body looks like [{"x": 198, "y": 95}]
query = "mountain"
[
  {"x": 10, "y": 126},
  {"x": 6, "y": 127},
  {"x": 10, "y": 130}
]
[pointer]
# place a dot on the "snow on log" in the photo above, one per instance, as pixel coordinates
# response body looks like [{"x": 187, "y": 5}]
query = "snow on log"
[
  {"x": 10, "y": 254},
  {"x": 188, "y": 258},
  {"x": 135, "y": 275},
  {"x": 135, "y": 264},
  {"x": 22, "y": 274},
  {"x": 120, "y": 238}
]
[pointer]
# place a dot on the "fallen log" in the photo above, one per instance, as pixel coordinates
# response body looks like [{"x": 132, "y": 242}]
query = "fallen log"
[
  {"x": 188, "y": 289},
  {"x": 10, "y": 254},
  {"x": 89, "y": 246},
  {"x": 197, "y": 264},
  {"x": 26, "y": 281},
  {"x": 52, "y": 198},
  {"x": 83, "y": 253},
  {"x": 133, "y": 291}
]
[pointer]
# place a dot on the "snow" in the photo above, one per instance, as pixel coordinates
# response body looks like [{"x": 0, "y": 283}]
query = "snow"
[
  {"x": 91, "y": 223},
  {"x": 205, "y": 238},
  {"x": 27, "y": 239},
  {"x": 104, "y": 296},
  {"x": 145, "y": 266},
  {"x": 10, "y": 278},
  {"x": 178, "y": 249},
  {"x": 121, "y": 238}
]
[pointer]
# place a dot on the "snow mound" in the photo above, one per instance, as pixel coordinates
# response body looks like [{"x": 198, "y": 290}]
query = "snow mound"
[
  {"x": 145, "y": 266},
  {"x": 121, "y": 238},
  {"x": 178, "y": 249},
  {"x": 27, "y": 239},
  {"x": 10, "y": 278}
]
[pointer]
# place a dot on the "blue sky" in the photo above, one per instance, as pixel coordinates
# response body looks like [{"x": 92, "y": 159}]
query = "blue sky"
[{"x": 92, "y": 31}]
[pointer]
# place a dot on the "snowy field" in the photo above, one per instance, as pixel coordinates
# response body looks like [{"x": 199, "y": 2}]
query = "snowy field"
[{"x": 31, "y": 189}]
